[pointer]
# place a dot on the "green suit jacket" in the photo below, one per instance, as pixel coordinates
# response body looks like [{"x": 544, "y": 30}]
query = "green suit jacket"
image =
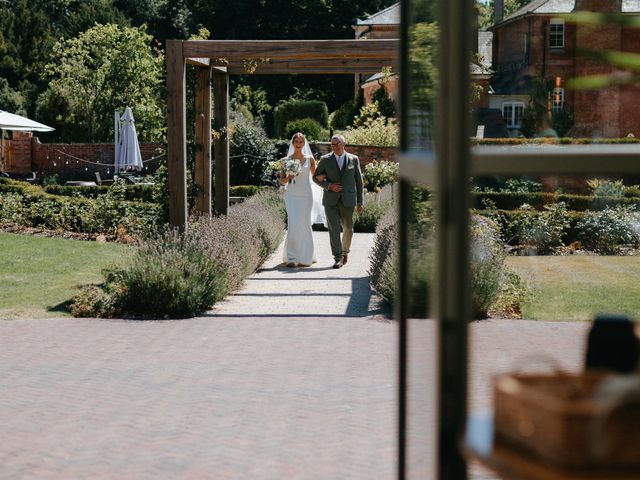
[{"x": 350, "y": 177}]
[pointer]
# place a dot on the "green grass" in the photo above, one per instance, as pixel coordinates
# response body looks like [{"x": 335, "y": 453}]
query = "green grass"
[
  {"x": 38, "y": 275},
  {"x": 578, "y": 287}
]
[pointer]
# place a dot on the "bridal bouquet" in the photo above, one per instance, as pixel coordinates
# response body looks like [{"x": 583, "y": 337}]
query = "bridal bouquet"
[{"x": 292, "y": 166}]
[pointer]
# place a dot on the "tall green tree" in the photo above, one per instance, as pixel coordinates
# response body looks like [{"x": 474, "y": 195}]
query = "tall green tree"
[
  {"x": 103, "y": 69},
  {"x": 485, "y": 10}
]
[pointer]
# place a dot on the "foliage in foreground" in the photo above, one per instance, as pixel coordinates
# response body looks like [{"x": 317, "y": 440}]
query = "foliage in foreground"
[
  {"x": 493, "y": 285},
  {"x": 179, "y": 275}
]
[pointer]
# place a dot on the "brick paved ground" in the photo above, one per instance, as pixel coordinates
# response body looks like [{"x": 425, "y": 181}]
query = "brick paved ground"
[{"x": 292, "y": 378}]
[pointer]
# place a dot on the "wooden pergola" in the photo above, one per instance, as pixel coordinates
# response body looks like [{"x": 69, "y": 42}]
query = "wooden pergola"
[{"x": 217, "y": 59}]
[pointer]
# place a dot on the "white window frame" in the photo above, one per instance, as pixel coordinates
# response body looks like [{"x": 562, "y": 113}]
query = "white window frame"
[
  {"x": 556, "y": 33},
  {"x": 514, "y": 121},
  {"x": 557, "y": 101}
]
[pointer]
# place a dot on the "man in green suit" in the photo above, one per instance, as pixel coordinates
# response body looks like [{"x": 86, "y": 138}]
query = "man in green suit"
[{"x": 339, "y": 175}]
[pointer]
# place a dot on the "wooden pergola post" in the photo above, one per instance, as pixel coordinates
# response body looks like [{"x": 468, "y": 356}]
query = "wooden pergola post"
[
  {"x": 176, "y": 135},
  {"x": 221, "y": 142},
  {"x": 203, "y": 141}
]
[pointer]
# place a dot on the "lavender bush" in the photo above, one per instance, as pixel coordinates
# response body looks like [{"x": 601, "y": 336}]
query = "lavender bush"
[{"x": 174, "y": 275}]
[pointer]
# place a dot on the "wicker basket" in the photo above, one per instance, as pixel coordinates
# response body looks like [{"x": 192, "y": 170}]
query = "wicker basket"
[{"x": 567, "y": 421}]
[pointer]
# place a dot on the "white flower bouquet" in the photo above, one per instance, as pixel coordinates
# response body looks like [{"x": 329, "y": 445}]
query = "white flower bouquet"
[{"x": 292, "y": 166}]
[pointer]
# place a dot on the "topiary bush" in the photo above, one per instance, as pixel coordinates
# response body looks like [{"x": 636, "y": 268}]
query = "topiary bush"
[
  {"x": 297, "y": 109},
  {"x": 343, "y": 117},
  {"x": 310, "y": 127}
]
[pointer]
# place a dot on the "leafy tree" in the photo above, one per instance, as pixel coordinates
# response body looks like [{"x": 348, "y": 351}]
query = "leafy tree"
[
  {"x": 254, "y": 100},
  {"x": 105, "y": 68},
  {"x": 10, "y": 99},
  {"x": 485, "y": 10}
]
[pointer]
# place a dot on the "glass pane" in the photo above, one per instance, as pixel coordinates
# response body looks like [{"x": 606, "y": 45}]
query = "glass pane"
[{"x": 422, "y": 57}]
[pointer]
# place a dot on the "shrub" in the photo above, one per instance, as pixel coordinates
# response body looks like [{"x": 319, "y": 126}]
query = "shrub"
[
  {"x": 606, "y": 188},
  {"x": 537, "y": 200},
  {"x": 368, "y": 113},
  {"x": 140, "y": 193},
  {"x": 343, "y": 117},
  {"x": 13, "y": 210},
  {"x": 386, "y": 106},
  {"x": 378, "y": 132},
  {"x": 368, "y": 220},
  {"x": 488, "y": 272},
  {"x": 382, "y": 271},
  {"x": 250, "y": 152},
  {"x": 605, "y": 231},
  {"x": 378, "y": 174},
  {"x": 310, "y": 127},
  {"x": 176, "y": 275},
  {"x": 297, "y": 109},
  {"x": 539, "y": 232}
]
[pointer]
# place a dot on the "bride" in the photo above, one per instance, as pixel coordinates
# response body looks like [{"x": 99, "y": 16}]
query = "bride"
[{"x": 303, "y": 200}]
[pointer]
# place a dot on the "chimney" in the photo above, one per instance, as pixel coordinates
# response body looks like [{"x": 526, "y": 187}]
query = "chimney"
[{"x": 498, "y": 11}]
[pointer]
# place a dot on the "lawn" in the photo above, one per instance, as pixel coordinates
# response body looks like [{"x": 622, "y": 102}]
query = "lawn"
[
  {"x": 577, "y": 287},
  {"x": 38, "y": 275}
]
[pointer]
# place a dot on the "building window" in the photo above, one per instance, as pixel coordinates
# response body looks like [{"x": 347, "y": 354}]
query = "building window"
[
  {"x": 512, "y": 114},
  {"x": 558, "y": 99},
  {"x": 556, "y": 33}
]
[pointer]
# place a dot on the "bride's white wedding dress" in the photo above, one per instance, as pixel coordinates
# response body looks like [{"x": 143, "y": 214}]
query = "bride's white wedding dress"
[{"x": 302, "y": 211}]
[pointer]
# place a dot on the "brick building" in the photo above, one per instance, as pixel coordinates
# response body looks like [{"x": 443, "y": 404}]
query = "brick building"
[
  {"x": 386, "y": 24},
  {"x": 536, "y": 42}
]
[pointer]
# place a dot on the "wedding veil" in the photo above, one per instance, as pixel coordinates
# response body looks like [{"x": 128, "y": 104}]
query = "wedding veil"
[{"x": 317, "y": 210}]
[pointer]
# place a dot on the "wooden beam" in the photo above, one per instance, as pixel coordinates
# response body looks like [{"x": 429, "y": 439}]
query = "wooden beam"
[
  {"x": 203, "y": 141},
  {"x": 198, "y": 62},
  {"x": 304, "y": 71},
  {"x": 221, "y": 140},
  {"x": 176, "y": 135},
  {"x": 241, "y": 49}
]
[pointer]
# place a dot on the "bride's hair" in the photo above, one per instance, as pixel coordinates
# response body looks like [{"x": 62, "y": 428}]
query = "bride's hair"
[{"x": 296, "y": 135}]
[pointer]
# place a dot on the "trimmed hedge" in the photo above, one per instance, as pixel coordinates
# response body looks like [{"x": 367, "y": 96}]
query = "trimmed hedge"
[
  {"x": 579, "y": 203},
  {"x": 297, "y": 109},
  {"x": 552, "y": 141},
  {"x": 133, "y": 193}
]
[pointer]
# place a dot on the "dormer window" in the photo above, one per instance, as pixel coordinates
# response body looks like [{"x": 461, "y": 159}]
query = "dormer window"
[{"x": 556, "y": 33}]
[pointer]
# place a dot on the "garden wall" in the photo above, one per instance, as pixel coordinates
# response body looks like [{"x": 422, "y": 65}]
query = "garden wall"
[
  {"x": 71, "y": 161},
  {"x": 366, "y": 153}
]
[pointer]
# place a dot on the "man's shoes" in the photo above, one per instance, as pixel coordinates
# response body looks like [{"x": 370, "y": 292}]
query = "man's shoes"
[
  {"x": 344, "y": 259},
  {"x": 338, "y": 264}
]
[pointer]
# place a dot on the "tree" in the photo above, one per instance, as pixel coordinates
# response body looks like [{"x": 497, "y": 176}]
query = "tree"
[
  {"x": 485, "y": 10},
  {"x": 103, "y": 69}
]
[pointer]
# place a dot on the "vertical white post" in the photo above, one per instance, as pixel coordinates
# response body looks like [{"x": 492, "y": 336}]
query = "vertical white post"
[{"x": 116, "y": 124}]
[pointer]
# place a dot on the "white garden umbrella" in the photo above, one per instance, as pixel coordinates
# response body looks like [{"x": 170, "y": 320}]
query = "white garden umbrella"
[
  {"x": 128, "y": 155},
  {"x": 11, "y": 121}
]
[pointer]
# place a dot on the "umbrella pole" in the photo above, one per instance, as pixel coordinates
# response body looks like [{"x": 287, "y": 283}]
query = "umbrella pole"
[{"x": 2, "y": 141}]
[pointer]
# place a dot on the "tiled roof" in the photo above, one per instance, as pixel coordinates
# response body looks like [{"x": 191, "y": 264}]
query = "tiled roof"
[
  {"x": 564, "y": 6},
  {"x": 388, "y": 16}
]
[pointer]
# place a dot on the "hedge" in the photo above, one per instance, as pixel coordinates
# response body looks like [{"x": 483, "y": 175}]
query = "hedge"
[
  {"x": 295, "y": 110},
  {"x": 553, "y": 141},
  {"x": 514, "y": 200},
  {"x": 140, "y": 193}
]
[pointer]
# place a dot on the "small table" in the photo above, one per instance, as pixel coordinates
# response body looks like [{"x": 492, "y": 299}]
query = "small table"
[{"x": 511, "y": 464}]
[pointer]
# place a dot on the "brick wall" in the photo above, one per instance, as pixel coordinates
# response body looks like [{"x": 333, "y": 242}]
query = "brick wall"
[
  {"x": 80, "y": 161},
  {"x": 367, "y": 154}
]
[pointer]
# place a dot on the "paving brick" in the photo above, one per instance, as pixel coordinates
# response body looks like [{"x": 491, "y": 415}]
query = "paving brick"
[{"x": 264, "y": 386}]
